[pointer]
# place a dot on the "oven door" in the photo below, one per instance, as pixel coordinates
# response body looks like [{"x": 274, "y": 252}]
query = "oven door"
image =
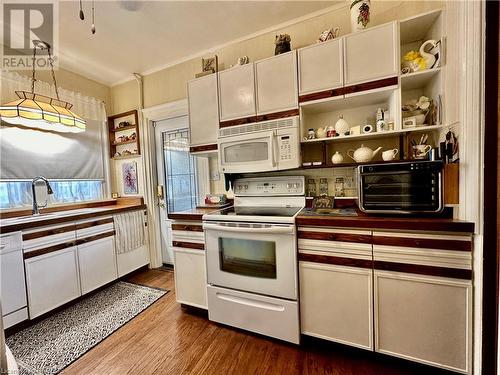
[
  {"x": 259, "y": 258},
  {"x": 254, "y": 152}
]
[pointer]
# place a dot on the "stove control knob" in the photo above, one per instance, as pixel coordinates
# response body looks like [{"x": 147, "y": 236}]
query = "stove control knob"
[{"x": 246, "y": 187}]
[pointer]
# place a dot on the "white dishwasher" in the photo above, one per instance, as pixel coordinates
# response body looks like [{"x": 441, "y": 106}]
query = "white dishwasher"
[{"x": 13, "y": 285}]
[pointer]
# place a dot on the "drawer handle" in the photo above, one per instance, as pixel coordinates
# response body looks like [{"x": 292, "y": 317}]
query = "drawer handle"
[{"x": 250, "y": 302}]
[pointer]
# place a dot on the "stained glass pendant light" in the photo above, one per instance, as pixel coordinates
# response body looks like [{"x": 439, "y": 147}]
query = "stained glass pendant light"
[{"x": 37, "y": 111}]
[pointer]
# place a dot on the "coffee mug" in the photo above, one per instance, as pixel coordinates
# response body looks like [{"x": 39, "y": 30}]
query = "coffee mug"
[
  {"x": 390, "y": 154},
  {"x": 421, "y": 151}
]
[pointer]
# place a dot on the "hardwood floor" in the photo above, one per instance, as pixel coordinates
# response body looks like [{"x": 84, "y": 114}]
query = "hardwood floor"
[{"x": 168, "y": 339}]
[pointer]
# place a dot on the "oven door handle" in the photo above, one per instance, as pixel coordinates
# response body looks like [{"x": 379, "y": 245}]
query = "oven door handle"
[{"x": 273, "y": 229}]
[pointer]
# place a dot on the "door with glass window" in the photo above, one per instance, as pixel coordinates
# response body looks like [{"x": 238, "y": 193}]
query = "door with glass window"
[{"x": 182, "y": 178}]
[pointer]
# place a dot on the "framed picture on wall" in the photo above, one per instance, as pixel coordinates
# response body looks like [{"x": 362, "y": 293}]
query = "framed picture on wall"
[{"x": 129, "y": 173}]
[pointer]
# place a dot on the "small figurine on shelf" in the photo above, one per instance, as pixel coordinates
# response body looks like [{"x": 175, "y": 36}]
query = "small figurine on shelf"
[
  {"x": 132, "y": 136},
  {"x": 123, "y": 124},
  {"x": 282, "y": 43},
  {"x": 117, "y": 154},
  {"x": 126, "y": 152}
]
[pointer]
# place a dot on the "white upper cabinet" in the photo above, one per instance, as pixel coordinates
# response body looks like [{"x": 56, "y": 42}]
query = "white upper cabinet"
[
  {"x": 237, "y": 92},
  {"x": 321, "y": 66},
  {"x": 203, "y": 110},
  {"x": 371, "y": 54},
  {"x": 276, "y": 83}
]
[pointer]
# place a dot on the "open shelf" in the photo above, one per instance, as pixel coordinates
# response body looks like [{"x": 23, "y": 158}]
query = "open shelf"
[
  {"x": 339, "y": 103},
  {"x": 125, "y": 142},
  {"x": 419, "y": 79},
  {"x": 347, "y": 138},
  {"x": 129, "y": 127},
  {"x": 354, "y": 165},
  {"x": 125, "y": 156},
  {"x": 417, "y": 28}
]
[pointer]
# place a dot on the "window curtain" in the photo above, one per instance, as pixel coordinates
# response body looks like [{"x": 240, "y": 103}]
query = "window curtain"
[{"x": 26, "y": 153}]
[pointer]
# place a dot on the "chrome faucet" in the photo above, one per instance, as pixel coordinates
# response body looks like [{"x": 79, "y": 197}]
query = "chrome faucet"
[{"x": 36, "y": 206}]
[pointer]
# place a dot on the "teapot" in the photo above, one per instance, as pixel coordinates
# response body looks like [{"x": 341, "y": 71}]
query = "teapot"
[
  {"x": 321, "y": 132},
  {"x": 363, "y": 154}
]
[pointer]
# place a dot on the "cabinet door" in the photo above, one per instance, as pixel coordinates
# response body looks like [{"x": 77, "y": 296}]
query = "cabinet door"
[
  {"x": 277, "y": 83},
  {"x": 423, "y": 318},
  {"x": 203, "y": 110},
  {"x": 336, "y": 303},
  {"x": 97, "y": 260},
  {"x": 321, "y": 66},
  {"x": 190, "y": 277},
  {"x": 52, "y": 280},
  {"x": 237, "y": 92},
  {"x": 371, "y": 54}
]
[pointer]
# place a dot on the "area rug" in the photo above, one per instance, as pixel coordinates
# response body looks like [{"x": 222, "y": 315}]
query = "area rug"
[{"x": 52, "y": 344}]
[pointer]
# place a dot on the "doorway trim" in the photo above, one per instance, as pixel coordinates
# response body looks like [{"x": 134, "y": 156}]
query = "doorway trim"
[{"x": 150, "y": 115}]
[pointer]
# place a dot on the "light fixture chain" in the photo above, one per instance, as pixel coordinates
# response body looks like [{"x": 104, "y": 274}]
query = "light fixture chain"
[
  {"x": 51, "y": 62},
  {"x": 33, "y": 72}
]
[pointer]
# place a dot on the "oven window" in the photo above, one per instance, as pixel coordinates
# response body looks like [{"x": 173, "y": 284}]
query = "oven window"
[
  {"x": 246, "y": 152},
  {"x": 248, "y": 257}
]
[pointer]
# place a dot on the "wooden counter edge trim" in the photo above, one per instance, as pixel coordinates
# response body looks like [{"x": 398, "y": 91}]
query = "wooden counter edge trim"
[
  {"x": 64, "y": 219},
  {"x": 428, "y": 243},
  {"x": 343, "y": 237},
  {"x": 189, "y": 245},
  {"x": 64, "y": 245},
  {"x": 48, "y": 232},
  {"x": 186, "y": 217},
  {"x": 259, "y": 118},
  {"x": 204, "y": 148},
  {"x": 327, "y": 259},
  {"x": 419, "y": 269},
  {"x": 386, "y": 223},
  {"x": 331, "y": 93},
  {"x": 94, "y": 223},
  {"x": 187, "y": 227}
]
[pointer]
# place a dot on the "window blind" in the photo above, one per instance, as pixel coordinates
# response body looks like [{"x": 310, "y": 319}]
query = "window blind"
[{"x": 26, "y": 153}]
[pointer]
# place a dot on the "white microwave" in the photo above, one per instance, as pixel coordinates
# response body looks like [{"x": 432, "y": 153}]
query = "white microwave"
[{"x": 259, "y": 147}]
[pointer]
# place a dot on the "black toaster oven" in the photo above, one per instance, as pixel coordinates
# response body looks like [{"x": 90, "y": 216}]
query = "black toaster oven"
[{"x": 401, "y": 188}]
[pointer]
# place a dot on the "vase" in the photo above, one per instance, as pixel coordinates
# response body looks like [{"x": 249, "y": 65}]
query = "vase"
[{"x": 360, "y": 14}]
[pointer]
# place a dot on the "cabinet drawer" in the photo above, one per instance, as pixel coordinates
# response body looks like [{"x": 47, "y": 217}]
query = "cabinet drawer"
[
  {"x": 94, "y": 226},
  {"x": 48, "y": 236},
  {"x": 421, "y": 240},
  {"x": 265, "y": 315},
  {"x": 10, "y": 242}
]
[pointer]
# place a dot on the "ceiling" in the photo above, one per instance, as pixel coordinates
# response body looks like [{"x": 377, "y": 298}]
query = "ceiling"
[{"x": 141, "y": 36}]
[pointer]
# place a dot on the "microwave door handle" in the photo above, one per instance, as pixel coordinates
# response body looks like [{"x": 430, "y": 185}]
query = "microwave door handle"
[
  {"x": 274, "y": 230},
  {"x": 274, "y": 148}
]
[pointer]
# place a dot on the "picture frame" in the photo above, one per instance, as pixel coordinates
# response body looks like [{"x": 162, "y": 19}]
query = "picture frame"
[{"x": 129, "y": 177}]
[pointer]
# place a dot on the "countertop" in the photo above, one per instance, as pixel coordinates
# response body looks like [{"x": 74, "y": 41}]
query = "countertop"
[
  {"x": 14, "y": 224},
  {"x": 196, "y": 214},
  {"x": 362, "y": 220}
]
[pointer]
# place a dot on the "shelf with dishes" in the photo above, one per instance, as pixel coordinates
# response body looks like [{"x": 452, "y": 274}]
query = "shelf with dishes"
[
  {"x": 124, "y": 135},
  {"x": 396, "y": 147}
]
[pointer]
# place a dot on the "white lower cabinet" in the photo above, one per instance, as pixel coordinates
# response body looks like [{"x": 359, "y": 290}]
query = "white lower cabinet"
[
  {"x": 97, "y": 262},
  {"x": 52, "y": 280},
  {"x": 132, "y": 260},
  {"x": 424, "y": 318},
  {"x": 190, "y": 277},
  {"x": 336, "y": 303}
]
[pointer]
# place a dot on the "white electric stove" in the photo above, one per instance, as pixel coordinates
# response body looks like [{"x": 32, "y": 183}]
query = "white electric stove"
[{"x": 251, "y": 252}]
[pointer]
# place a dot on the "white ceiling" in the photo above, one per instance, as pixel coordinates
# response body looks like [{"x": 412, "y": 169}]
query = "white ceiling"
[{"x": 141, "y": 36}]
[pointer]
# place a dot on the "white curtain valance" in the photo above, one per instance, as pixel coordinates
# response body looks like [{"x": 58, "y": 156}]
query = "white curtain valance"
[{"x": 26, "y": 153}]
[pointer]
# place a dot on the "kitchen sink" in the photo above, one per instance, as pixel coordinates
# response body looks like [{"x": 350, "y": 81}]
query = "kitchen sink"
[{"x": 48, "y": 215}]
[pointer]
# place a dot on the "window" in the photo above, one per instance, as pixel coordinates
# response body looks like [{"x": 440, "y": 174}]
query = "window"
[
  {"x": 18, "y": 193},
  {"x": 180, "y": 171}
]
